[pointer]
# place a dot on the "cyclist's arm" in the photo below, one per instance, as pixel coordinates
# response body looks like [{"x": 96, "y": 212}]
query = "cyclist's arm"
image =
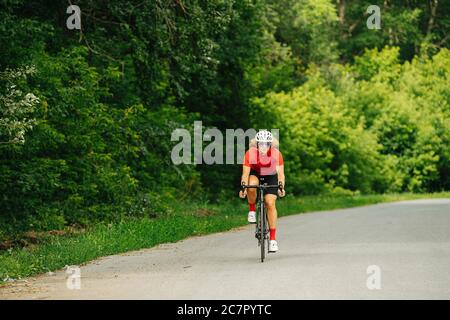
[
  {"x": 245, "y": 174},
  {"x": 280, "y": 172}
]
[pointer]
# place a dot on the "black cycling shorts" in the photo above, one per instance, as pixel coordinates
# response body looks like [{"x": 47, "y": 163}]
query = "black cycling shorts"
[{"x": 269, "y": 179}]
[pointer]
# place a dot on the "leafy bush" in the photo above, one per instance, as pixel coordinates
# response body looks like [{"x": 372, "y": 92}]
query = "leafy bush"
[{"x": 376, "y": 126}]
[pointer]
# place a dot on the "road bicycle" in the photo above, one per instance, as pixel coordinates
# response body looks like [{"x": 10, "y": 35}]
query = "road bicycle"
[{"x": 262, "y": 225}]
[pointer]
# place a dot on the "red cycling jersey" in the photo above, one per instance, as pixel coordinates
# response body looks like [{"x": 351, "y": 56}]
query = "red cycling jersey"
[{"x": 263, "y": 164}]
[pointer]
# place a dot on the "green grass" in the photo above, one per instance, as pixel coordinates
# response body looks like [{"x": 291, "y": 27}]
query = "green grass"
[{"x": 185, "y": 220}]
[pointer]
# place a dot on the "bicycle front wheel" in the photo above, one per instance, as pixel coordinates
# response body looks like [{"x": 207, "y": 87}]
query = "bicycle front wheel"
[{"x": 263, "y": 223}]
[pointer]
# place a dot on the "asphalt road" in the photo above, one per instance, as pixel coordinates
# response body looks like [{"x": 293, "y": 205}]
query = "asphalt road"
[{"x": 402, "y": 250}]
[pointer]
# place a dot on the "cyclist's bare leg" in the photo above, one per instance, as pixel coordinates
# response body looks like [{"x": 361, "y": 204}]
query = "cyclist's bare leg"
[
  {"x": 251, "y": 192},
  {"x": 270, "y": 200}
]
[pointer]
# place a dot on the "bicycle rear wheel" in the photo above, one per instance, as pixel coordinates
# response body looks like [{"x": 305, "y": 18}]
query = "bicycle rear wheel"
[{"x": 266, "y": 230}]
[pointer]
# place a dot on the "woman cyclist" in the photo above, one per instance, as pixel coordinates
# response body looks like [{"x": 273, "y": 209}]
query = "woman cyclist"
[{"x": 263, "y": 163}]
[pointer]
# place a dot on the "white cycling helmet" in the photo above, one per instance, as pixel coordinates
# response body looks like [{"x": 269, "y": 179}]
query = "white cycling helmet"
[{"x": 264, "y": 136}]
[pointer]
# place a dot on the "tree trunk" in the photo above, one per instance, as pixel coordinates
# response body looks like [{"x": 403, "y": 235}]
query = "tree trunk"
[
  {"x": 341, "y": 6},
  {"x": 433, "y": 9}
]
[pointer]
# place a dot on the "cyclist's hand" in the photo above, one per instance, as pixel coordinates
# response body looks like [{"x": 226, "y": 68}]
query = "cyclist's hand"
[
  {"x": 243, "y": 193},
  {"x": 281, "y": 191}
]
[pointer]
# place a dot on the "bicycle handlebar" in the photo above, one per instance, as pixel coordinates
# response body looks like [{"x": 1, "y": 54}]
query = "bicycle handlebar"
[{"x": 263, "y": 186}]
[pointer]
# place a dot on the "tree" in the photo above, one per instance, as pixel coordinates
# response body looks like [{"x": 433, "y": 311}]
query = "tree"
[{"x": 16, "y": 107}]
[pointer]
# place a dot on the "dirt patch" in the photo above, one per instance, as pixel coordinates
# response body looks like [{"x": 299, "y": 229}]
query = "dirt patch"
[
  {"x": 5, "y": 245},
  {"x": 202, "y": 212},
  {"x": 32, "y": 238}
]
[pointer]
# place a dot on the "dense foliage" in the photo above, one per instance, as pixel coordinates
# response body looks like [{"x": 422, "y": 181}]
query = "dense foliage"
[
  {"x": 87, "y": 115},
  {"x": 374, "y": 126}
]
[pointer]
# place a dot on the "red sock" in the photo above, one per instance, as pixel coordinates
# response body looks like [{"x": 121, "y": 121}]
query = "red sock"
[
  {"x": 252, "y": 206},
  {"x": 272, "y": 233}
]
